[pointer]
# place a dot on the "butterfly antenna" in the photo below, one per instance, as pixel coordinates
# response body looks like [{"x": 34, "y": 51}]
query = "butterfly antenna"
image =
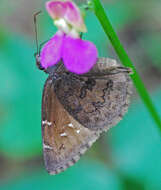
[{"x": 36, "y": 34}]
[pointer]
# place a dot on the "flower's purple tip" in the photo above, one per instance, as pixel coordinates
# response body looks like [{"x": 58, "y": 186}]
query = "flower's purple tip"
[
  {"x": 56, "y": 9},
  {"x": 51, "y": 52},
  {"x": 79, "y": 56},
  {"x": 67, "y": 10},
  {"x": 74, "y": 17}
]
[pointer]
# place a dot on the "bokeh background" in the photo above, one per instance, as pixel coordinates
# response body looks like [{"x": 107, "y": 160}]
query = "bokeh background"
[{"x": 128, "y": 157}]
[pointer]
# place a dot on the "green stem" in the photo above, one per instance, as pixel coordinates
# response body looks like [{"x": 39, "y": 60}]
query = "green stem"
[{"x": 102, "y": 17}]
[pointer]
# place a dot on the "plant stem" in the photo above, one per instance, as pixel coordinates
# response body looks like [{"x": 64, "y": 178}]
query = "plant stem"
[{"x": 102, "y": 17}]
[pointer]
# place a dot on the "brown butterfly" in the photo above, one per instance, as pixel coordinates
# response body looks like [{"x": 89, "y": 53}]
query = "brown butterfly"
[{"x": 76, "y": 109}]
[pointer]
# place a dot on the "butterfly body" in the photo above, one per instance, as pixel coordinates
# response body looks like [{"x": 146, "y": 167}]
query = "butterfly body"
[{"x": 77, "y": 108}]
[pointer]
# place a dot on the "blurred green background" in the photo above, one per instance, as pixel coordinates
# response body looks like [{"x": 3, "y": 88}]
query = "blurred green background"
[{"x": 128, "y": 157}]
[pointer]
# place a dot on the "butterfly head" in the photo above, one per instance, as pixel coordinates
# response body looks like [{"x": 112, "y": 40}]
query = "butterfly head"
[{"x": 38, "y": 63}]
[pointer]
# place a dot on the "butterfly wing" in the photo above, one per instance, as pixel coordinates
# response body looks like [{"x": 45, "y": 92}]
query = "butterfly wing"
[
  {"x": 64, "y": 139},
  {"x": 94, "y": 101}
]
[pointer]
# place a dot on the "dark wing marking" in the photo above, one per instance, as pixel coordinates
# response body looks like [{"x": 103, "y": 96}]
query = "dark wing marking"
[
  {"x": 94, "y": 103},
  {"x": 64, "y": 139}
]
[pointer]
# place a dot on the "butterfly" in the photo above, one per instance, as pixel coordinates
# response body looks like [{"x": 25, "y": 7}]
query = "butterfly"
[{"x": 76, "y": 109}]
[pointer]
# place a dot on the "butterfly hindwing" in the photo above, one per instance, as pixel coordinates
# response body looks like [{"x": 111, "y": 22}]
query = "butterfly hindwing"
[
  {"x": 94, "y": 101},
  {"x": 64, "y": 139}
]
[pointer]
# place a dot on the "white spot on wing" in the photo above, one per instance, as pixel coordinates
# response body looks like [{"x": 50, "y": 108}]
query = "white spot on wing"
[
  {"x": 63, "y": 134},
  {"x": 47, "y": 147},
  {"x": 46, "y": 123},
  {"x": 49, "y": 123},
  {"x": 78, "y": 131},
  {"x": 70, "y": 125}
]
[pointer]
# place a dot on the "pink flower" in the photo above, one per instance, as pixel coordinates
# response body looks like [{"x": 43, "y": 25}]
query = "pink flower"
[{"x": 78, "y": 55}]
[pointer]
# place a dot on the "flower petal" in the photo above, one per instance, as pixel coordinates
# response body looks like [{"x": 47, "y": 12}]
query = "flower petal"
[
  {"x": 79, "y": 56},
  {"x": 73, "y": 16},
  {"x": 68, "y": 11},
  {"x": 51, "y": 52},
  {"x": 56, "y": 9}
]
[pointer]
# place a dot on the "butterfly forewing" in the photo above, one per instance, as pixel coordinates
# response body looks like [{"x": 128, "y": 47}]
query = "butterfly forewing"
[{"x": 64, "y": 139}]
